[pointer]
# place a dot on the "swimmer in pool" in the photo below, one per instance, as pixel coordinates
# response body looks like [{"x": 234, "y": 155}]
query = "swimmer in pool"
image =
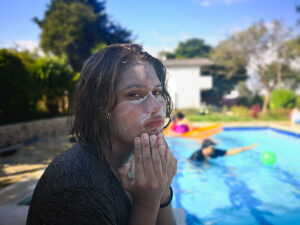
[{"x": 208, "y": 151}]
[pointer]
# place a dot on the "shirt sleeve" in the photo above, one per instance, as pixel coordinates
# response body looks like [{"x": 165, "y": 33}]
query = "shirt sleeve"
[
  {"x": 218, "y": 153},
  {"x": 77, "y": 206}
]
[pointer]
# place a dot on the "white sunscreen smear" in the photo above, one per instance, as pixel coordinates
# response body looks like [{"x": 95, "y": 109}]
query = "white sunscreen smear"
[{"x": 145, "y": 116}]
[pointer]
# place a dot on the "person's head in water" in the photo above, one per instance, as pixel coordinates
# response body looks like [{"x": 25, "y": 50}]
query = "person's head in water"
[
  {"x": 120, "y": 94},
  {"x": 208, "y": 147}
]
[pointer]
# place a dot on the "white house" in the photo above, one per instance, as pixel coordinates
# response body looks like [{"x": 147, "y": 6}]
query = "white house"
[{"x": 185, "y": 82}]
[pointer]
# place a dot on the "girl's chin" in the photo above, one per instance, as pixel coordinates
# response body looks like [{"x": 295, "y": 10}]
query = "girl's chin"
[{"x": 155, "y": 131}]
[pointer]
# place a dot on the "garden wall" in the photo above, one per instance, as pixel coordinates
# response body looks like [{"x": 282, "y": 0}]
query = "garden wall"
[{"x": 21, "y": 132}]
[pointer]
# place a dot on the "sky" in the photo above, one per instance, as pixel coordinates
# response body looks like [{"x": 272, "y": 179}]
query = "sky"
[{"x": 157, "y": 24}]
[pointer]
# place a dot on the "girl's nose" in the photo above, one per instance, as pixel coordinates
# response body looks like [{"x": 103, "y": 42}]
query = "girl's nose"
[{"x": 153, "y": 104}]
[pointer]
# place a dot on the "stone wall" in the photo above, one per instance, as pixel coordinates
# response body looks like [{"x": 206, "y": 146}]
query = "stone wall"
[{"x": 21, "y": 132}]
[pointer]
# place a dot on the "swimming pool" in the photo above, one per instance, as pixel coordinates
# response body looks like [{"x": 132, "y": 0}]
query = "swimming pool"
[{"x": 240, "y": 189}]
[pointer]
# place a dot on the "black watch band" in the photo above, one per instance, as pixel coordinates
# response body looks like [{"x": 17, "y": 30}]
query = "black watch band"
[{"x": 169, "y": 201}]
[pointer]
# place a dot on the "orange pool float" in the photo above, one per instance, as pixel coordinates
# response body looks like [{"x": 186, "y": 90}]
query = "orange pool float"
[{"x": 197, "y": 132}]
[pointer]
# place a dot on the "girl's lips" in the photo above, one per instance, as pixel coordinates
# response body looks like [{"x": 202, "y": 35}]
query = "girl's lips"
[{"x": 154, "y": 124}]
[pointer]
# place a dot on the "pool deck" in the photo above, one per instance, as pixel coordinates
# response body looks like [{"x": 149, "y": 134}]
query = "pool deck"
[
  {"x": 285, "y": 125},
  {"x": 20, "y": 171}
]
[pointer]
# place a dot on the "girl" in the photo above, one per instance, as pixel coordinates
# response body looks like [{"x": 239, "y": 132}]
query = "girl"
[{"x": 120, "y": 105}]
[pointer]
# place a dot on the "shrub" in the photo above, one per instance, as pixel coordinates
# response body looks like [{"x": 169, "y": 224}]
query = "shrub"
[
  {"x": 298, "y": 102},
  {"x": 282, "y": 99},
  {"x": 55, "y": 80},
  {"x": 240, "y": 111},
  {"x": 276, "y": 114},
  {"x": 16, "y": 88}
]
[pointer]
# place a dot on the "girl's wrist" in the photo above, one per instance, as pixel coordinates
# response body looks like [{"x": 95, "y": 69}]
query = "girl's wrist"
[
  {"x": 165, "y": 196},
  {"x": 167, "y": 200}
]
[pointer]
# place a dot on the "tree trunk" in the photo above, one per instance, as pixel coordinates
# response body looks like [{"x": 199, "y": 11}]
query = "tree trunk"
[
  {"x": 279, "y": 75},
  {"x": 266, "y": 102}
]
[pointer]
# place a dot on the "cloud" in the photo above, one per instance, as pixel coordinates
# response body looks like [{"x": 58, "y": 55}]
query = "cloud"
[
  {"x": 155, "y": 49},
  {"x": 244, "y": 24},
  {"x": 207, "y": 3},
  {"x": 22, "y": 45}
]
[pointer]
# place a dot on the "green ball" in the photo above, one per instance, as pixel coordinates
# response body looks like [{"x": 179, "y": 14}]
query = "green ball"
[{"x": 268, "y": 158}]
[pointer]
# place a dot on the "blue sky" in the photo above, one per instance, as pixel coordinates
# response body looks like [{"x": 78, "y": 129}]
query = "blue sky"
[{"x": 157, "y": 24}]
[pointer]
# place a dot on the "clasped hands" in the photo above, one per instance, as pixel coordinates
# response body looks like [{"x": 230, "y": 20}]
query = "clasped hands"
[{"x": 155, "y": 167}]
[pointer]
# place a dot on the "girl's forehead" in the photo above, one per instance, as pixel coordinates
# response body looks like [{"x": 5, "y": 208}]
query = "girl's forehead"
[{"x": 138, "y": 74}]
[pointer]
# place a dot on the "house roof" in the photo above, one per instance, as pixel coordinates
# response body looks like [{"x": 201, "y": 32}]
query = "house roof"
[{"x": 187, "y": 62}]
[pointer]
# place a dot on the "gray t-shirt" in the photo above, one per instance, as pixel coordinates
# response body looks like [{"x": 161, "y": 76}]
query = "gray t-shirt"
[{"x": 78, "y": 187}]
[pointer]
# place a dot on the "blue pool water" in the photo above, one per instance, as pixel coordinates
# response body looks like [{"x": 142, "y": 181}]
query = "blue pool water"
[{"x": 239, "y": 189}]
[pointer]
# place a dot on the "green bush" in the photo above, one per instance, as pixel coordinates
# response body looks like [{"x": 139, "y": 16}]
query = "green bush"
[
  {"x": 298, "y": 102},
  {"x": 240, "y": 111},
  {"x": 283, "y": 99},
  {"x": 32, "y": 88},
  {"x": 276, "y": 114},
  {"x": 55, "y": 79},
  {"x": 17, "y": 91}
]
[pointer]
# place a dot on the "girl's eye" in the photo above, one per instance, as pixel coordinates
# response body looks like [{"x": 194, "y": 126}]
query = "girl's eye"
[
  {"x": 134, "y": 95},
  {"x": 157, "y": 93}
]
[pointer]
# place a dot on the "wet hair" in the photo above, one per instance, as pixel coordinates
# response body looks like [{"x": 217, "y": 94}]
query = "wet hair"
[
  {"x": 208, "y": 143},
  {"x": 180, "y": 115},
  {"x": 95, "y": 93}
]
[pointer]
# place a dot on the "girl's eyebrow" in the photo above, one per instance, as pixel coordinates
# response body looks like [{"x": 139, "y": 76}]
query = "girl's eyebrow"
[{"x": 139, "y": 86}]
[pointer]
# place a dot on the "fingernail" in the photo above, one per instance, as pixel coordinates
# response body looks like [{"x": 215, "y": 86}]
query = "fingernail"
[
  {"x": 160, "y": 141},
  {"x": 137, "y": 140},
  {"x": 152, "y": 138}
]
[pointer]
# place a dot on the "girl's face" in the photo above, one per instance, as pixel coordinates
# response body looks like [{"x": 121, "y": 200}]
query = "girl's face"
[{"x": 140, "y": 106}]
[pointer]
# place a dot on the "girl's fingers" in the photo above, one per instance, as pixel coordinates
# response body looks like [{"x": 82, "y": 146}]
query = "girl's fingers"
[
  {"x": 163, "y": 159},
  {"x": 156, "y": 159},
  {"x": 147, "y": 157},
  {"x": 164, "y": 152},
  {"x": 139, "y": 168},
  {"x": 159, "y": 139}
]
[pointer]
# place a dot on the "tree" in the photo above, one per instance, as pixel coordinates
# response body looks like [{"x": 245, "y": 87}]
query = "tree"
[
  {"x": 228, "y": 70},
  {"x": 246, "y": 96},
  {"x": 192, "y": 48},
  {"x": 264, "y": 48},
  {"x": 74, "y": 27},
  {"x": 298, "y": 11}
]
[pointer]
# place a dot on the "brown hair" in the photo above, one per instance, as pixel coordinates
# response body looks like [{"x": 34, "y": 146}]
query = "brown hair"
[{"x": 95, "y": 94}]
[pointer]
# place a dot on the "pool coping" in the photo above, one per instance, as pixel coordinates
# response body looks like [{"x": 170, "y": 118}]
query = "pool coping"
[
  {"x": 278, "y": 130},
  {"x": 280, "y": 127}
]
